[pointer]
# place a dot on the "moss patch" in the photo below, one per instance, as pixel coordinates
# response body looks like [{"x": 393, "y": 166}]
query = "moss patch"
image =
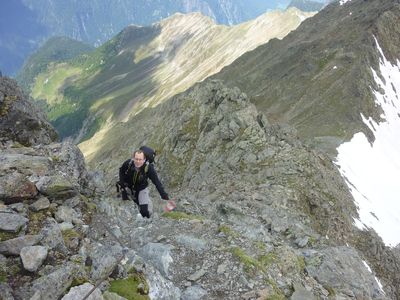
[
  {"x": 129, "y": 287},
  {"x": 250, "y": 263},
  {"x": 4, "y": 236},
  {"x": 179, "y": 215},
  {"x": 228, "y": 231},
  {"x": 36, "y": 220}
]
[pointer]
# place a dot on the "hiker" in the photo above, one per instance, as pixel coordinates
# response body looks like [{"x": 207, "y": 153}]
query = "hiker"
[{"x": 133, "y": 175}]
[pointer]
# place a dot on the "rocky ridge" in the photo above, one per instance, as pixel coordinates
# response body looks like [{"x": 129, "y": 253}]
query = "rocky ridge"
[{"x": 259, "y": 216}]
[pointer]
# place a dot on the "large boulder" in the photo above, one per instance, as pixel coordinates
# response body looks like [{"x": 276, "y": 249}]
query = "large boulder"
[{"x": 20, "y": 120}]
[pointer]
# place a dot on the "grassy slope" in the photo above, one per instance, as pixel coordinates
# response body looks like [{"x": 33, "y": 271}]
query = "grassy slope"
[{"x": 144, "y": 65}]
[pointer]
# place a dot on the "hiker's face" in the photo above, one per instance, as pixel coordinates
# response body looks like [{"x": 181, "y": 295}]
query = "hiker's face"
[{"x": 138, "y": 159}]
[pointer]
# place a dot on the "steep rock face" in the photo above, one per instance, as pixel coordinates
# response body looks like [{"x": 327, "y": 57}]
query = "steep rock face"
[
  {"x": 319, "y": 77},
  {"x": 19, "y": 120},
  {"x": 243, "y": 182}
]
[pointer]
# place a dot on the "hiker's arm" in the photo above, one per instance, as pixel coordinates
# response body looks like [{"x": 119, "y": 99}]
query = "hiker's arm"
[
  {"x": 154, "y": 178},
  {"x": 122, "y": 171}
]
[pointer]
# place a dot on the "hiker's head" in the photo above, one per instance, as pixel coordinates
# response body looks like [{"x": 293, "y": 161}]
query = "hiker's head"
[{"x": 138, "y": 158}]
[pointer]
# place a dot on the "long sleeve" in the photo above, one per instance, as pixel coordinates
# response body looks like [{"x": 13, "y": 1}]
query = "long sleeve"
[
  {"x": 122, "y": 170},
  {"x": 156, "y": 181}
]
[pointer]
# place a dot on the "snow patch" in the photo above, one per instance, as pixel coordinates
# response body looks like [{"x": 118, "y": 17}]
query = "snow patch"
[
  {"x": 372, "y": 170},
  {"x": 343, "y": 1}
]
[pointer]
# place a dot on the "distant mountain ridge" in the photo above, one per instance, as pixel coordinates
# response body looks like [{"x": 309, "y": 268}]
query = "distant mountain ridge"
[
  {"x": 142, "y": 66},
  {"x": 26, "y": 24}
]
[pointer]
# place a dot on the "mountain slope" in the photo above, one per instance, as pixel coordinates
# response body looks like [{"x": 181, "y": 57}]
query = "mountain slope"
[
  {"x": 26, "y": 24},
  {"x": 315, "y": 78},
  {"x": 142, "y": 66},
  {"x": 55, "y": 50},
  {"x": 250, "y": 193},
  {"x": 335, "y": 79}
]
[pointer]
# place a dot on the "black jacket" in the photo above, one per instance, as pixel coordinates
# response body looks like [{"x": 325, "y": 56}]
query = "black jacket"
[{"x": 136, "y": 180}]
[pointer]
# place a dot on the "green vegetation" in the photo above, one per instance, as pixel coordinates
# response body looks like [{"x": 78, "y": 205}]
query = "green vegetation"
[
  {"x": 134, "y": 287},
  {"x": 179, "y": 215},
  {"x": 250, "y": 263},
  {"x": 4, "y": 236},
  {"x": 36, "y": 220},
  {"x": 49, "y": 85},
  {"x": 228, "y": 231},
  {"x": 55, "y": 50},
  {"x": 70, "y": 234}
]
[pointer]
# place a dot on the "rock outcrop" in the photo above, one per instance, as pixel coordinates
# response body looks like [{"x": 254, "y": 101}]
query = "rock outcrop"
[{"x": 259, "y": 215}]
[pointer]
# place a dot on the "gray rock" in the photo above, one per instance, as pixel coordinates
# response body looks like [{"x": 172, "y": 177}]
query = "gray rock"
[
  {"x": 57, "y": 187},
  {"x": 65, "y": 226},
  {"x": 5, "y": 292},
  {"x": 33, "y": 257},
  {"x": 192, "y": 242},
  {"x": 65, "y": 214},
  {"x": 80, "y": 291},
  {"x": 14, "y": 246},
  {"x": 20, "y": 120},
  {"x": 52, "y": 236},
  {"x": 41, "y": 204},
  {"x": 159, "y": 255},
  {"x": 197, "y": 275},
  {"x": 342, "y": 269},
  {"x": 300, "y": 293},
  {"x": 194, "y": 293},
  {"x": 12, "y": 222},
  {"x": 73, "y": 202},
  {"x": 112, "y": 296},
  {"x": 55, "y": 284},
  {"x": 104, "y": 259},
  {"x": 159, "y": 286},
  {"x": 302, "y": 242}
]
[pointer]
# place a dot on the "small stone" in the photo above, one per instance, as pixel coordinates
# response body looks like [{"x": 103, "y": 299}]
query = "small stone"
[
  {"x": 12, "y": 222},
  {"x": 42, "y": 203},
  {"x": 197, "y": 275},
  {"x": 302, "y": 242},
  {"x": 33, "y": 257}
]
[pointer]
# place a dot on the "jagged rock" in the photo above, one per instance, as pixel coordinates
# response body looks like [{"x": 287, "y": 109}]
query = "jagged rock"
[
  {"x": 15, "y": 187},
  {"x": 80, "y": 291},
  {"x": 197, "y": 275},
  {"x": 192, "y": 242},
  {"x": 33, "y": 257},
  {"x": 300, "y": 293},
  {"x": 51, "y": 286},
  {"x": 194, "y": 293},
  {"x": 302, "y": 242},
  {"x": 6, "y": 291},
  {"x": 66, "y": 214},
  {"x": 72, "y": 202},
  {"x": 104, "y": 259},
  {"x": 52, "y": 236},
  {"x": 56, "y": 186},
  {"x": 41, "y": 204},
  {"x": 14, "y": 246},
  {"x": 65, "y": 226},
  {"x": 159, "y": 255},
  {"x": 20, "y": 120},
  {"x": 12, "y": 222},
  {"x": 112, "y": 296},
  {"x": 341, "y": 269},
  {"x": 159, "y": 286}
]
